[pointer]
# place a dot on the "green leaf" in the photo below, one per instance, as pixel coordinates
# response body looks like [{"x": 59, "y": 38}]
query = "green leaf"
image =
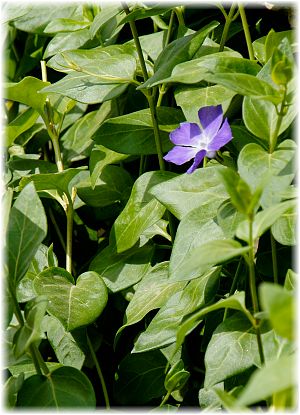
[
  {"x": 180, "y": 50},
  {"x": 26, "y": 230},
  {"x": 31, "y": 331},
  {"x": 29, "y": 370},
  {"x": 163, "y": 327},
  {"x": 235, "y": 302},
  {"x": 21, "y": 123},
  {"x": 284, "y": 229},
  {"x": 140, "y": 378},
  {"x": 66, "y": 387},
  {"x": 107, "y": 23},
  {"x": 63, "y": 41},
  {"x": 77, "y": 142},
  {"x": 201, "y": 258},
  {"x": 65, "y": 25},
  {"x": 133, "y": 133},
  {"x": 58, "y": 181},
  {"x": 74, "y": 305},
  {"x": 228, "y": 218},
  {"x": 195, "y": 229},
  {"x": 96, "y": 82},
  {"x": 101, "y": 157},
  {"x": 256, "y": 165},
  {"x": 152, "y": 292},
  {"x": 208, "y": 66},
  {"x": 120, "y": 271},
  {"x": 188, "y": 98},
  {"x": 152, "y": 44},
  {"x": 280, "y": 306},
  {"x": 264, "y": 46},
  {"x": 269, "y": 380},
  {"x": 177, "y": 377},
  {"x": 185, "y": 192},
  {"x": 233, "y": 349},
  {"x": 142, "y": 13},
  {"x": 6, "y": 202},
  {"x": 27, "y": 92},
  {"x": 290, "y": 280},
  {"x": 63, "y": 343},
  {"x": 260, "y": 116},
  {"x": 263, "y": 220},
  {"x": 113, "y": 186},
  {"x": 141, "y": 211},
  {"x": 25, "y": 291},
  {"x": 11, "y": 389}
]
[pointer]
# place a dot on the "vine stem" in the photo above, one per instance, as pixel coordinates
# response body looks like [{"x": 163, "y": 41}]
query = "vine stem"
[
  {"x": 234, "y": 283},
  {"x": 274, "y": 136},
  {"x": 70, "y": 216},
  {"x": 246, "y": 32},
  {"x": 228, "y": 20},
  {"x": 95, "y": 360},
  {"x": 252, "y": 283},
  {"x": 274, "y": 259},
  {"x": 165, "y": 399}
]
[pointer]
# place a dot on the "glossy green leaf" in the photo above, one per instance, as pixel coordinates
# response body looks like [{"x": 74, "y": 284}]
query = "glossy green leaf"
[
  {"x": 58, "y": 181},
  {"x": 26, "y": 230},
  {"x": 107, "y": 23},
  {"x": 133, "y": 133},
  {"x": 36, "y": 19},
  {"x": 21, "y": 123},
  {"x": 141, "y": 378},
  {"x": 276, "y": 169},
  {"x": 76, "y": 142},
  {"x": 11, "y": 389},
  {"x": 152, "y": 44},
  {"x": 63, "y": 41},
  {"x": 284, "y": 229},
  {"x": 208, "y": 66},
  {"x": 113, "y": 186},
  {"x": 195, "y": 229},
  {"x": 120, "y": 271},
  {"x": 263, "y": 220},
  {"x": 63, "y": 343},
  {"x": 96, "y": 82},
  {"x": 177, "y": 377},
  {"x": 260, "y": 116},
  {"x": 158, "y": 228},
  {"x": 66, "y": 387},
  {"x": 27, "y": 92},
  {"x": 141, "y": 211},
  {"x": 74, "y": 305},
  {"x": 163, "y": 328},
  {"x": 142, "y": 13},
  {"x": 201, "y": 258},
  {"x": 152, "y": 292},
  {"x": 269, "y": 380},
  {"x": 6, "y": 202},
  {"x": 186, "y": 192},
  {"x": 290, "y": 280},
  {"x": 41, "y": 260},
  {"x": 281, "y": 308},
  {"x": 264, "y": 46},
  {"x": 30, "y": 163},
  {"x": 235, "y": 302},
  {"x": 101, "y": 157},
  {"x": 31, "y": 331},
  {"x": 190, "y": 99},
  {"x": 180, "y": 50},
  {"x": 233, "y": 349},
  {"x": 228, "y": 218},
  {"x": 65, "y": 25}
]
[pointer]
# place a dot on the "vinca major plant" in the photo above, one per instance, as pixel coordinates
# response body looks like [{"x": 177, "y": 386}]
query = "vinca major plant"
[{"x": 149, "y": 206}]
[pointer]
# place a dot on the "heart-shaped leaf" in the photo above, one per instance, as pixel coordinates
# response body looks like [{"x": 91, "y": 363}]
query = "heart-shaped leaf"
[{"x": 74, "y": 305}]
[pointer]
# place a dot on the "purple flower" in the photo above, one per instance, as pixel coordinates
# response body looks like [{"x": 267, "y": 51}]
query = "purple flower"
[{"x": 193, "y": 141}]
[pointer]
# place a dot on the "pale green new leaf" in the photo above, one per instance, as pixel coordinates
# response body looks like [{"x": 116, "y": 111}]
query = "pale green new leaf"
[{"x": 65, "y": 41}]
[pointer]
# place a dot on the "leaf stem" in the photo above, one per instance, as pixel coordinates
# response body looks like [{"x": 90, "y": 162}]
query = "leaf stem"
[
  {"x": 69, "y": 244},
  {"x": 246, "y": 32},
  {"x": 228, "y": 20},
  {"x": 168, "y": 37},
  {"x": 166, "y": 397},
  {"x": 95, "y": 360},
  {"x": 252, "y": 283},
  {"x": 274, "y": 259},
  {"x": 234, "y": 283},
  {"x": 274, "y": 136}
]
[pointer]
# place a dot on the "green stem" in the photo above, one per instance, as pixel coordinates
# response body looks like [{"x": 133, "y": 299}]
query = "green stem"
[
  {"x": 57, "y": 153},
  {"x": 246, "y": 32},
  {"x": 95, "y": 360},
  {"x": 274, "y": 259},
  {"x": 179, "y": 15},
  {"x": 252, "y": 283},
  {"x": 228, "y": 20},
  {"x": 59, "y": 234},
  {"x": 234, "y": 283},
  {"x": 70, "y": 215},
  {"x": 16, "y": 305},
  {"x": 165, "y": 399},
  {"x": 35, "y": 360},
  {"x": 274, "y": 136},
  {"x": 141, "y": 169},
  {"x": 168, "y": 37}
]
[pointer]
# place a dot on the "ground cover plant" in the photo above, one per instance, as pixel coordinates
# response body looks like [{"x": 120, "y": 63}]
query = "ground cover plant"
[{"x": 150, "y": 206}]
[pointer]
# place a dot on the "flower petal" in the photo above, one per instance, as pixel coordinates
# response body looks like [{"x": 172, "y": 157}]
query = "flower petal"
[
  {"x": 221, "y": 138},
  {"x": 185, "y": 135},
  {"x": 180, "y": 155},
  {"x": 210, "y": 119},
  {"x": 198, "y": 158}
]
